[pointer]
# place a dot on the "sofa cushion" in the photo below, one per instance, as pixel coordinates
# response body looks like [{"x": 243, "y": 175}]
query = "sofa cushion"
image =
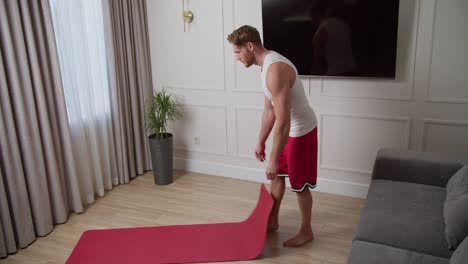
[
  {"x": 404, "y": 215},
  {"x": 460, "y": 256},
  {"x": 370, "y": 253},
  {"x": 456, "y": 208}
]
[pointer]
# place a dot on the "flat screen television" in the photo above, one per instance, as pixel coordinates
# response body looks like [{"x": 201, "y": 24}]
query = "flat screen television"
[{"x": 336, "y": 38}]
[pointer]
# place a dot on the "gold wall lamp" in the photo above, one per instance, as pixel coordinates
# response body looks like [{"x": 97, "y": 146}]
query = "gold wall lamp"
[{"x": 187, "y": 15}]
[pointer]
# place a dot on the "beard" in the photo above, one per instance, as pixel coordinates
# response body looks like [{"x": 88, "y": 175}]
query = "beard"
[{"x": 249, "y": 61}]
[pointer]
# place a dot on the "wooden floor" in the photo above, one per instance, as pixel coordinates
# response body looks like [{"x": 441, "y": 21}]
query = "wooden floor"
[{"x": 195, "y": 199}]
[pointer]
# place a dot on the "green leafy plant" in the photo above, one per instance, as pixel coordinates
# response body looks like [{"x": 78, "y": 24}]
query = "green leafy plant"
[{"x": 161, "y": 108}]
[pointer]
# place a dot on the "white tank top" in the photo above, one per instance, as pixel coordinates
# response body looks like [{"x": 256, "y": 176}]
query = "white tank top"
[
  {"x": 339, "y": 53},
  {"x": 303, "y": 118}
]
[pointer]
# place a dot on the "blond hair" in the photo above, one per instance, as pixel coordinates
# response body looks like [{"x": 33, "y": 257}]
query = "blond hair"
[{"x": 243, "y": 35}]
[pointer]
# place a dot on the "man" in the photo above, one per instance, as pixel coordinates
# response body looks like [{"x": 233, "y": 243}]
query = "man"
[
  {"x": 332, "y": 47},
  {"x": 294, "y": 151}
]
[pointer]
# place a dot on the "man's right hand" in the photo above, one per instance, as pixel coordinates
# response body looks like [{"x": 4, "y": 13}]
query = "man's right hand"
[{"x": 260, "y": 152}]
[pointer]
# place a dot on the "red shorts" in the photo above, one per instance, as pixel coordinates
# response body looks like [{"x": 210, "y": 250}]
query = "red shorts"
[{"x": 299, "y": 161}]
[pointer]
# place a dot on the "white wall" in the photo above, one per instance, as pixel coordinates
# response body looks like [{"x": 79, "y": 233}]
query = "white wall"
[{"x": 425, "y": 108}]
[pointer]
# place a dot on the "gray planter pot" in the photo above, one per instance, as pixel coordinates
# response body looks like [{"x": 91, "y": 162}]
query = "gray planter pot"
[{"x": 161, "y": 159}]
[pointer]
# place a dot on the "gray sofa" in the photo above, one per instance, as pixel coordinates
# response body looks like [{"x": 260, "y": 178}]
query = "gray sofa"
[{"x": 415, "y": 211}]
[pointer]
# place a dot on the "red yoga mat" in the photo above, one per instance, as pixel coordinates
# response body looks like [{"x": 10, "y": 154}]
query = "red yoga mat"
[{"x": 178, "y": 243}]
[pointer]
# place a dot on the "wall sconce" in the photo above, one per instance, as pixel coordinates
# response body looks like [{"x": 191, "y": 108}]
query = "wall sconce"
[{"x": 187, "y": 15}]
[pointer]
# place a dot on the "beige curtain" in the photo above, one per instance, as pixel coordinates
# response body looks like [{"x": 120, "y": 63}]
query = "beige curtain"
[
  {"x": 39, "y": 164},
  {"x": 133, "y": 84},
  {"x": 38, "y": 183}
]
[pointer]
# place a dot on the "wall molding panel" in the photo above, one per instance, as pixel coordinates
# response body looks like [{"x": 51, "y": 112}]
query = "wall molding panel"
[
  {"x": 244, "y": 12},
  {"x": 199, "y": 148},
  {"x": 449, "y": 142},
  {"x": 433, "y": 37},
  {"x": 253, "y": 133},
  {"x": 343, "y": 145}
]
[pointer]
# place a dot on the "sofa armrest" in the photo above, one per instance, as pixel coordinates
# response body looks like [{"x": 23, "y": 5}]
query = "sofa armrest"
[{"x": 416, "y": 167}]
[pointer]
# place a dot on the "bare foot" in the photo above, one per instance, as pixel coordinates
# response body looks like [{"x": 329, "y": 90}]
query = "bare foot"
[{"x": 299, "y": 239}]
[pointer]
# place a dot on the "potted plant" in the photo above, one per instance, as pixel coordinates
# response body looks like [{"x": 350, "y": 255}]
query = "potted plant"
[{"x": 161, "y": 108}]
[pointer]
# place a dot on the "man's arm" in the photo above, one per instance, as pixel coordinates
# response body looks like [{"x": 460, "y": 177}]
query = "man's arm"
[
  {"x": 280, "y": 78},
  {"x": 268, "y": 120}
]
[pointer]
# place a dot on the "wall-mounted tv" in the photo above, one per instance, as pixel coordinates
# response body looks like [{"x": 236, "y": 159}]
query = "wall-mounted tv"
[{"x": 337, "y": 38}]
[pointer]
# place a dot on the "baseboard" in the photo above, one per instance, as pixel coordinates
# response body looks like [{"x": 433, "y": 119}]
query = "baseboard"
[{"x": 257, "y": 175}]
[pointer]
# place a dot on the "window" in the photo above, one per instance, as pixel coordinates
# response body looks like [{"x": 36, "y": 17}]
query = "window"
[{"x": 80, "y": 37}]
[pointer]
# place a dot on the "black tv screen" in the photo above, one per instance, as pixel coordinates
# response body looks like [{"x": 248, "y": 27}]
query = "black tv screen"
[{"x": 345, "y": 38}]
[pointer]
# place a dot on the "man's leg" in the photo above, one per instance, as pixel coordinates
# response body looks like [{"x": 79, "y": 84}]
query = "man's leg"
[
  {"x": 305, "y": 233},
  {"x": 277, "y": 192}
]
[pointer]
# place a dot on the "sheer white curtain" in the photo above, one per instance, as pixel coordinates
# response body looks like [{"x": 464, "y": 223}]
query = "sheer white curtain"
[{"x": 80, "y": 35}]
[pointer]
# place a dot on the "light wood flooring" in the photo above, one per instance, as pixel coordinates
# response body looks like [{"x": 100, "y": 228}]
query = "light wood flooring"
[{"x": 195, "y": 199}]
